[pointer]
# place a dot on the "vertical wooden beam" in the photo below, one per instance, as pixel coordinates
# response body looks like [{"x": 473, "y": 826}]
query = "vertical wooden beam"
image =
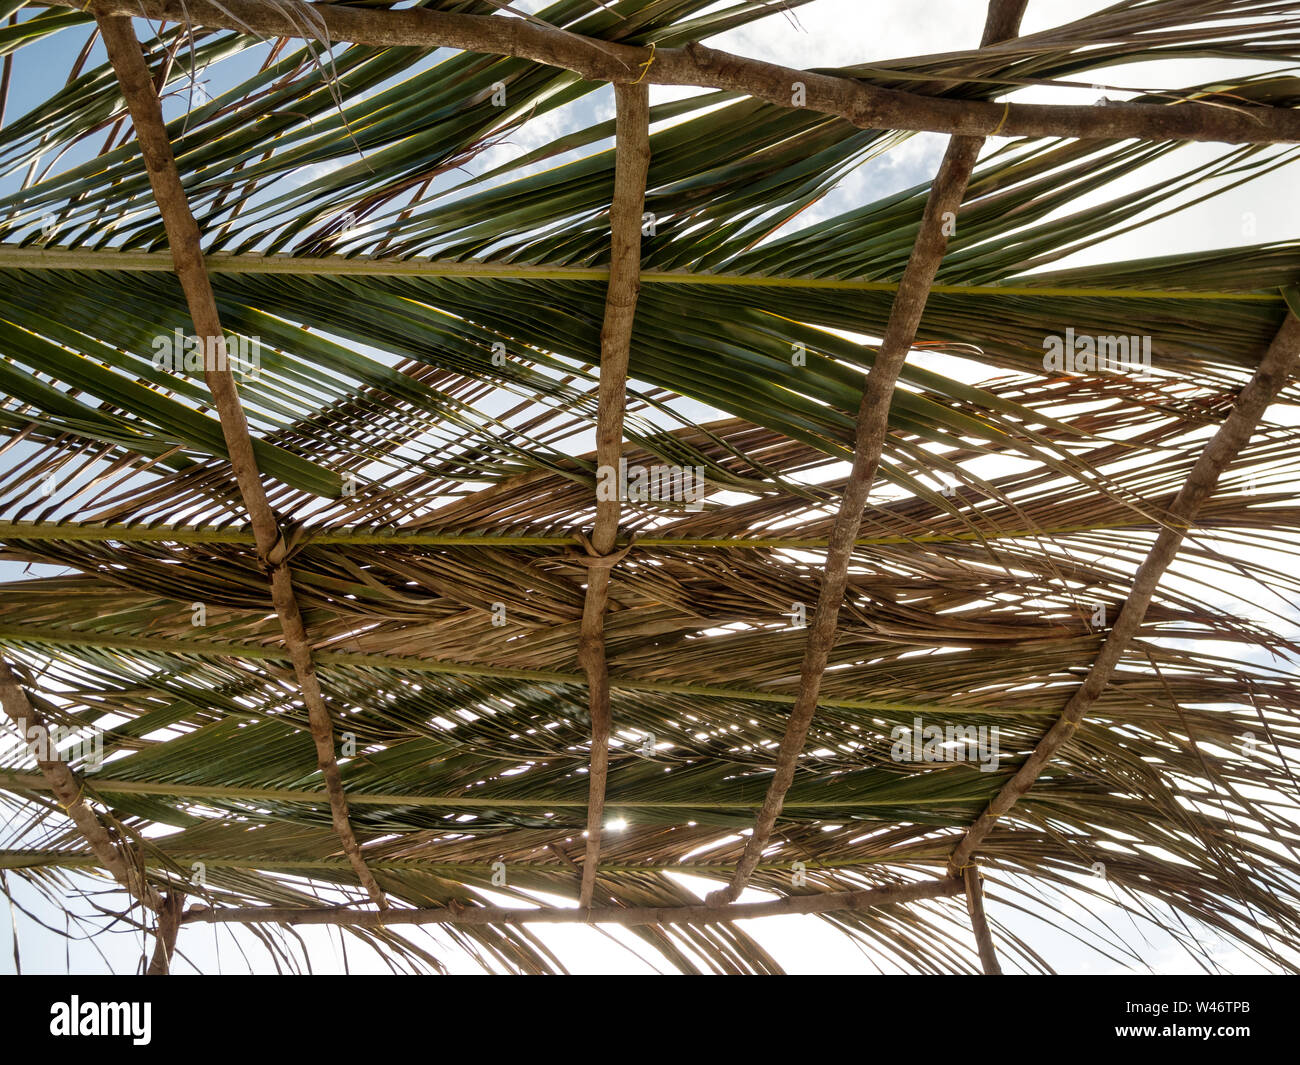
[
  {"x": 979, "y": 923},
  {"x": 122, "y": 863},
  {"x": 946, "y": 194},
  {"x": 632, "y": 132},
  {"x": 169, "y": 924},
  {"x": 133, "y": 75},
  {"x": 1278, "y": 365}
]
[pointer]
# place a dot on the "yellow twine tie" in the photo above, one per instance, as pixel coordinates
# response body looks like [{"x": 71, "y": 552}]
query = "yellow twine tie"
[
  {"x": 1006, "y": 111},
  {"x": 645, "y": 67},
  {"x": 77, "y": 799}
]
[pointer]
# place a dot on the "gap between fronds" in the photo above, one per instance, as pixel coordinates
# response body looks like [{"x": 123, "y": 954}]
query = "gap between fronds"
[
  {"x": 866, "y": 106},
  {"x": 137, "y": 86},
  {"x": 941, "y": 207},
  {"x": 1275, "y": 369},
  {"x": 632, "y": 164},
  {"x": 828, "y": 902}
]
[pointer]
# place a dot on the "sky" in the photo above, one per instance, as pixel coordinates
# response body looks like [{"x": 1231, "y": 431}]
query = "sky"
[{"x": 825, "y": 33}]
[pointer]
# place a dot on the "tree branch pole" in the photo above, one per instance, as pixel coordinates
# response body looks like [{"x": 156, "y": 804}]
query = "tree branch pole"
[
  {"x": 169, "y": 924},
  {"x": 865, "y": 105},
  {"x": 632, "y": 134},
  {"x": 1275, "y": 369},
  {"x": 121, "y": 861},
  {"x": 830, "y": 902},
  {"x": 183, "y": 238},
  {"x": 979, "y": 923},
  {"x": 941, "y": 208}
]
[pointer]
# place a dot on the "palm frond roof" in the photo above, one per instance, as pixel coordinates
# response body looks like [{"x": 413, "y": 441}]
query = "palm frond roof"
[{"x": 428, "y": 302}]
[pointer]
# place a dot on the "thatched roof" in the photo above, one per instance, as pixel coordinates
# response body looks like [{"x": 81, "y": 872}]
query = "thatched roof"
[{"x": 364, "y": 635}]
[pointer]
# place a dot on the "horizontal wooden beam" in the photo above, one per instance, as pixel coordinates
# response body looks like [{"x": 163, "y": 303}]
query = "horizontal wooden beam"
[
  {"x": 167, "y": 862},
  {"x": 828, "y": 902},
  {"x": 18, "y": 781},
  {"x": 72, "y": 532},
  {"x": 14, "y": 257},
  {"x": 861, "y": 103}
]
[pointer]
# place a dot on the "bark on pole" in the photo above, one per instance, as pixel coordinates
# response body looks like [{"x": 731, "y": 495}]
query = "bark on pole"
[
  {"x": 632, "y": 134},
  {"x": 169, "y": 924},
  {"x": 979, "y": 923},
  {"x": 866, "y": 106},
  {"x": 1280, "y": 362},
  {"x": 183, "y": 238},
  {"x": 941, "y": 207}
]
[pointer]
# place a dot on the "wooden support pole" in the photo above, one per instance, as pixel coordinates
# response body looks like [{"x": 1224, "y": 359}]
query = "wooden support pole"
[
  {"x": 939, "y": 217},
  {"x": 121, "y": 860},
  {"x": 632, "y": 133},
  {"x": 1275, "y": 370},
  {"x": 979, "y": 923},
  {"x": 865, "y": 105},
  {"x": 137, "y": 85}
]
